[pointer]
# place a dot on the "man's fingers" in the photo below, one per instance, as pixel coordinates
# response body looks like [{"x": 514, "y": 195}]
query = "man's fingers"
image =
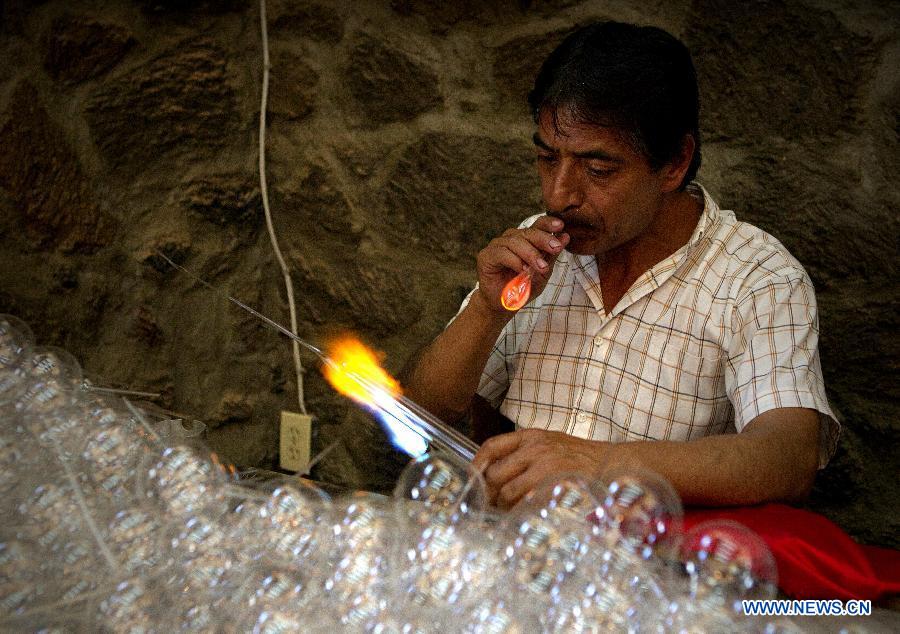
[
  {"x": 525, "y": 250},
  {"x": 514, "y": 490},
  {"x": 537, "y": 246},
  {"x": 546, "y": 241},
  {"x": 505, "y": 469},
  {"x": 502, "y": 258},
  {"x": 496, "y": 448},
  {"x": 549, "y": 224},
  {"x": 496, "y": 482},
  {"x": 538, "y": 249}
]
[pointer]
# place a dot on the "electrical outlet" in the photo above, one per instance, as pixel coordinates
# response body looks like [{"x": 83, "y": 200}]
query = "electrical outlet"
[{"x": 295, "y": 441}]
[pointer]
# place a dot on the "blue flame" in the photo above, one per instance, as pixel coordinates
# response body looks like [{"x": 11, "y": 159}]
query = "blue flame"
[{"x": 402, "y": 427}]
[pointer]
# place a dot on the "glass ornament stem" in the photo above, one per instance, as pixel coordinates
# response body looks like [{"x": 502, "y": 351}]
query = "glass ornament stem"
[
  {"x": 315, "y": 459},
  {"x": 54, "y": 607},
  {"x": 87, "y": 385},
  {"x": 141, "y": 419}
]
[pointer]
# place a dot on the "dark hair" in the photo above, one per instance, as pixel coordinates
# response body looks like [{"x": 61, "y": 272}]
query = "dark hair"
[{"x": 638, "y": 79}]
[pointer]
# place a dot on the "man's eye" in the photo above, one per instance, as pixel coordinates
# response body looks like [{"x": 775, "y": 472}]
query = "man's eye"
[
  {"x": 546, "y": 158},
  {"x": 600, "y": 172}
]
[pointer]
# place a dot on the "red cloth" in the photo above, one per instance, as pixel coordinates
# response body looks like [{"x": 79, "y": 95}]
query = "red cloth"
[{"x": 816, "y": 559}]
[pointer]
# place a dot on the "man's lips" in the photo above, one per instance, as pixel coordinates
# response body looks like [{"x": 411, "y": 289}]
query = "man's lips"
[{"x": 578, "y": 227}]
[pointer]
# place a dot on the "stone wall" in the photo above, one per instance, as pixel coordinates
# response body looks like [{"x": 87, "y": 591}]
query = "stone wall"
[{"x": 398, "y": 144}]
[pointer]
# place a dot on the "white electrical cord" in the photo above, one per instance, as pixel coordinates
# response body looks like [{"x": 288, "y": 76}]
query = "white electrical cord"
[{"x": 265, "y": 201}]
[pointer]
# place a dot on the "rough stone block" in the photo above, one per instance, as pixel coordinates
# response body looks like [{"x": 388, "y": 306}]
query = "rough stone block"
[
  {"x": 80, "y": 48},
  {"x": 146, "y": 329},
  {"x": 181, "y": 100},
  {"x": 314, "y": 21},
  {"x": 189, "y": 6},
  {"x": 45, "y": 180},
  {"x": 774, "y": 68},
  {"x": 176, "y": 247},
  {"x": 451, "y": 194},
  {"x": 388, "y": 85},
  {"x": 225, "y": 199},
  {"x": 351, "y": 292},
  {"x": 440, "y": 16},
  {"x": 233, "y": 407},
  {"x": 292, "y": 87},
  {"x": 517, "y": 62},
  {"x": 310, "y": 204}
]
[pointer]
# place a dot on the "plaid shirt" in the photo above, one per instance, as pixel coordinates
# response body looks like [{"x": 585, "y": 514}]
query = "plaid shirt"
[{"x": 704, "y": 342}]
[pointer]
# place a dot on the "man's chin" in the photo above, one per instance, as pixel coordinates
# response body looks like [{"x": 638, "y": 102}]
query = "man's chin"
[{"x": 582, "y": 247}]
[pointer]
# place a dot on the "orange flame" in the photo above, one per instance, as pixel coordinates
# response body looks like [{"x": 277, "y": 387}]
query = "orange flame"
[{"x": 353, "y": 359}]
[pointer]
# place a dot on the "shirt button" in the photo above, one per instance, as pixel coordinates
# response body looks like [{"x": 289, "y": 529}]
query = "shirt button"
[{"x": 582, "y": 417}]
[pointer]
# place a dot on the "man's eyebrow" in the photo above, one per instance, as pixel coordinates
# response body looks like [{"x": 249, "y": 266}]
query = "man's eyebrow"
[
  {"x": 538, "y": 141},
  {"x": 591, "y": 154}
]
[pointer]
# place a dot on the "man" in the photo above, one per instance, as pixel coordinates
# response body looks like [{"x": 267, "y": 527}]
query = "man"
[{"x": 661, "y": 332}]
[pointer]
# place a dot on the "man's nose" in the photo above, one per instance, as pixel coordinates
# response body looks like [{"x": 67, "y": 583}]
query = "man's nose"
[{"x": 564, "y": 190}]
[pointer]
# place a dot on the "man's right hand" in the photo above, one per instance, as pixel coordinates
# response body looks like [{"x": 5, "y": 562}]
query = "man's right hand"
[{"x": 506, "y": 256}]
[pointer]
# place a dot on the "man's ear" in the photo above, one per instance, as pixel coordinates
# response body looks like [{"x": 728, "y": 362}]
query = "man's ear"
[{"x": 673, "y": 172}]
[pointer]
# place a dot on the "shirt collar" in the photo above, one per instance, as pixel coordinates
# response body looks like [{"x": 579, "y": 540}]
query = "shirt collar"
[{"x": 708, "y": 217}]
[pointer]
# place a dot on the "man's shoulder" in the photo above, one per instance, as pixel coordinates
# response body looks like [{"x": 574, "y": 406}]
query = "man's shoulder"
[{"x": 749, "y": 251}]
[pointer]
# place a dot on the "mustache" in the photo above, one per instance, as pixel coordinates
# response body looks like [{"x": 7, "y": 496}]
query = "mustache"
[{"x": 570, "y": 220}]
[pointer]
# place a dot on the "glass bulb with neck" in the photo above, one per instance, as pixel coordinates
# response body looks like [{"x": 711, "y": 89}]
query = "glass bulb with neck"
[{"x": 517, "y": 291}]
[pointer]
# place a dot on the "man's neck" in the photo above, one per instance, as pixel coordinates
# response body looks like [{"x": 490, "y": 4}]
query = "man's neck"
[{"x": 671, "y": 229}]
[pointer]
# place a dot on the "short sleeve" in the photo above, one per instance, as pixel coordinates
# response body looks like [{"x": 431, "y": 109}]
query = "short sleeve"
[{"x": 773, "y": 356}]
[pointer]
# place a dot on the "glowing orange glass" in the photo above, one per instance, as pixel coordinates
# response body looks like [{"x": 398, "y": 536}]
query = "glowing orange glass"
[{"x": 517, "y": 291}]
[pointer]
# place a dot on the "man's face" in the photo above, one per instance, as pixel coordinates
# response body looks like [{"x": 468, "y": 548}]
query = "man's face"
[{"x": 605, "y": 191}]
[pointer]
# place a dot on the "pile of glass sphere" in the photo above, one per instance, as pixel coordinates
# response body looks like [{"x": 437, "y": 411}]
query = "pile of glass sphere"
[{"x": 115, "y": 522}]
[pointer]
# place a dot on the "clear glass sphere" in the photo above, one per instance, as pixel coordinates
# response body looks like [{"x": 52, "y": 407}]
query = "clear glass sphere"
[
  {"x": 43, "y": 396},
  {"x": 359, "y": 558},
  {"x": 602, "y": 596},
  {"x": 550, "y": 534},
  {"x": 50, "y": 516},
  {"x": 639, "y": 511},
  {"x": 727, "y": 562},
  {"x": 56, "y": 363},
  {"x": 15, "y": 339},
  {"x": 297, "y": 516},
  {"x": 112, "y": 455},
  {"x": 440, "y": 489},
  {"x": 443, "y": 567},
  {"x": 25, "y": 465},
  {"x": 136, "y": 538},
  {"x": 15, "y": 342},
  {"x": 439, "y": 501},
  {"x": 499, "y": 615},
  {"x": 132, "y": 605},
  {"x": 274, "y": 600},
  {"x": 183, "y": 481},
  {"x": 21, "y": 587}
]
